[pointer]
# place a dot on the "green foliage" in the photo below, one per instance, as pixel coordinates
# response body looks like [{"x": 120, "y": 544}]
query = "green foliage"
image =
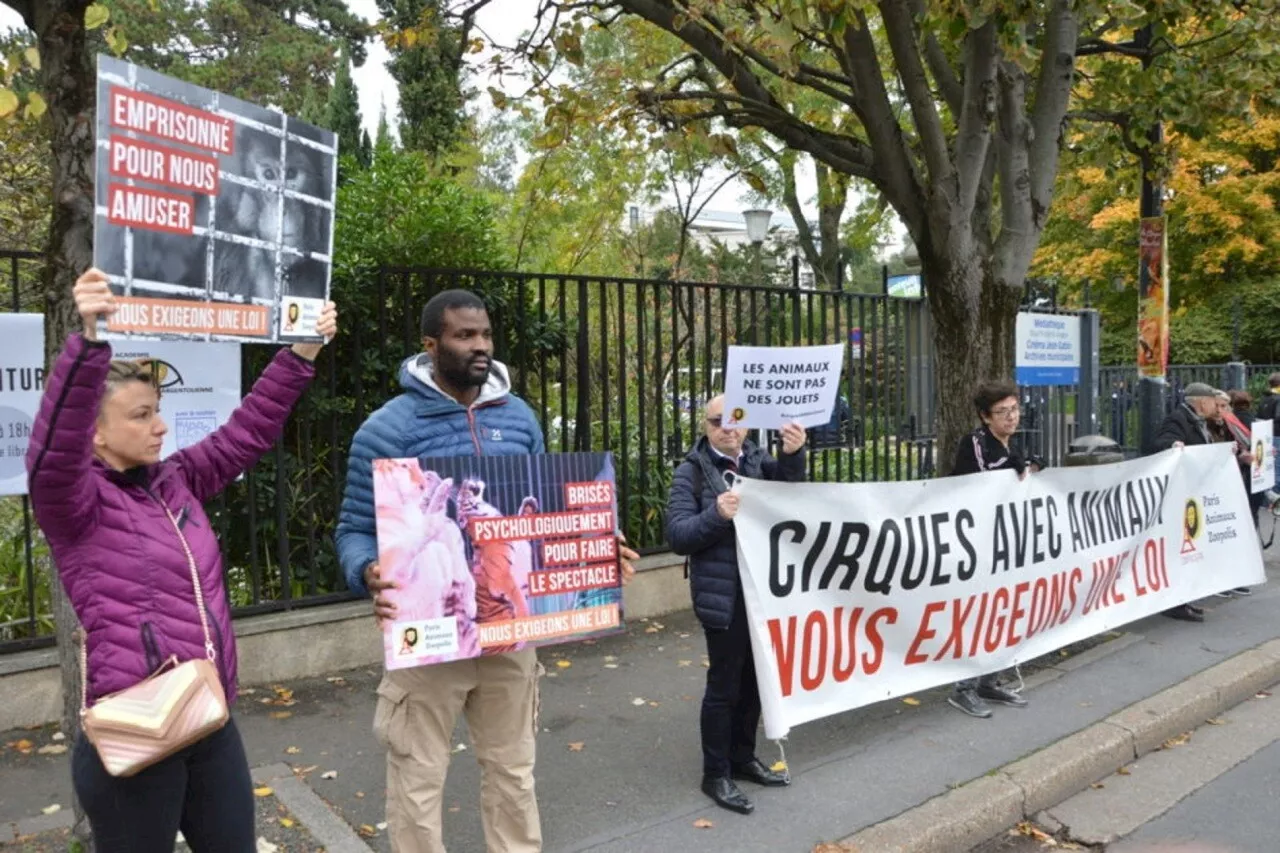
[
  {"x": 15, "y": 586},
  {"x": 342, "y": 113},
  {"x": 263, "y": 51},
  {"x": 426, "y": 61}
]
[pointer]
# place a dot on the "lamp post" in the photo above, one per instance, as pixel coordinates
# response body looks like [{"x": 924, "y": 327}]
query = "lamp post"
[{"x": 757, "y": 230}]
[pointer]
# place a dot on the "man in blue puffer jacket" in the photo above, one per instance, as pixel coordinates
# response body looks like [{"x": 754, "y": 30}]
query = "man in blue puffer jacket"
[
  {"x": 457, "y": 401},
  {"x": 700, "y": 514}
]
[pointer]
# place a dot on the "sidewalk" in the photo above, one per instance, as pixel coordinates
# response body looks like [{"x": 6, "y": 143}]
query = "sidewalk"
[{"x": 619, "y": 759}]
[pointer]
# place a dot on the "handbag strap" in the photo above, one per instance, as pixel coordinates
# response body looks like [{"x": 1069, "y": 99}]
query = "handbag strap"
[{"x": 210, "y": 650}]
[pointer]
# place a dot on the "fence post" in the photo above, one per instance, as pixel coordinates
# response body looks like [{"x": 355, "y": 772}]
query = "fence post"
[
  {"x": 795, "y": 306},
  {"x": 1087, "y": 392},
  {"x": 1234, "y": 376}
]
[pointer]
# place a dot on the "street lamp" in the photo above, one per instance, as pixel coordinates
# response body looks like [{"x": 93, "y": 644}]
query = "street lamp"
[{"x": 757, "y": 230}]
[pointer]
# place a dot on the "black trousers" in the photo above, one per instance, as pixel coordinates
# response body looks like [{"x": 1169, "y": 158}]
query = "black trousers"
[
  {"x": 731, "y": 705},
  {"x": 204, "y": 790}
]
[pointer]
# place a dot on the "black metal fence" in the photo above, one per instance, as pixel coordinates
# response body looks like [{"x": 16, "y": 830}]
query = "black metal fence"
[{"x": 614, "y": 364}]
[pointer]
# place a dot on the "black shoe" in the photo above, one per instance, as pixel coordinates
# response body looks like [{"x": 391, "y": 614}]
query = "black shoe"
[
  {"x": 755, "y": 771},
  {"x": 1185, "y": 613},
  {"x": 726, "y": 794},
  {"x": 1199, "y": 611},
  {"x": 1242, "y": 590},
  {"x": 993, "y": 693},
  {"x": 969, "y": 702}
]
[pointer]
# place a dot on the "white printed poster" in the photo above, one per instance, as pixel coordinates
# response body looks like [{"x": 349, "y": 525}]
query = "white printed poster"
[
  {"x": 21, "y": 384},
  {"x": 199, "y": 385},
  {"x": 769, "y": 387},
  {"x": 861, "y": 592},
  {"x": 1264, "y": 461}
]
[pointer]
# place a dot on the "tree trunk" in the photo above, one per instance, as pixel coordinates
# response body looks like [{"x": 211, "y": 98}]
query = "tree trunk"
[
  {"x": 973, "y": 318},
  {"x": 68, "y": 80}
]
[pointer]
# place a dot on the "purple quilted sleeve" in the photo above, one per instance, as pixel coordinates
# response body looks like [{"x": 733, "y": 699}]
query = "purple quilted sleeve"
[
  {"x": 253, "y": 428},
  {"x": 60, "y": 476}
]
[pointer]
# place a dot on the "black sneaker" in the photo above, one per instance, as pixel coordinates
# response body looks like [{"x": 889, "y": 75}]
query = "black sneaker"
[
  {"x": 1185, "y": 613},
  {"x": 969, "y": 702},
  {"x": 995, "y": 693},
  {"x": 1242, "y": 590}
]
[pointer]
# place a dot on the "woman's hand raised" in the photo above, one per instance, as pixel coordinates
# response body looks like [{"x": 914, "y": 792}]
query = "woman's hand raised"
[
  {"x": 94, "y": 299},
  {"x": 326, "y": 327}
]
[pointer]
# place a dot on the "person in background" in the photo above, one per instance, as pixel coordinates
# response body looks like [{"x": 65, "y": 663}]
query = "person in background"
[
  {"x": 1269, "y": 409},
  {"x": 1233, "y": 409},
  {"x": 700, "y": 513},
  {"x": 128, "y": 531},
  {"x": 988, "y": 448},
  {"x": 1188, "y": 426}
]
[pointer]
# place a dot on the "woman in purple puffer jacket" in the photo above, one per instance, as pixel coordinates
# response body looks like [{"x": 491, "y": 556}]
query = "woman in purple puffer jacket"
[{"x": 103, "y": 498}]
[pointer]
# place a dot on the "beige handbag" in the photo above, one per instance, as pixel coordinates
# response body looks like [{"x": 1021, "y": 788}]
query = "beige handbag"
[{"x": 176, "y": 706}]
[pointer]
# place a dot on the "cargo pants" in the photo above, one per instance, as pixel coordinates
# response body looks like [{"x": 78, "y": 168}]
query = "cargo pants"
[{"x": 414, "y": 721}]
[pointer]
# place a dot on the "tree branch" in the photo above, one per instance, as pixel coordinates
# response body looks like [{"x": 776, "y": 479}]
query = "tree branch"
[
  {"x": 1098, "y": 47},
  {"x": 900, "y": 27},
  {"x": 896, "y": 175},
  {"x": 973, "y": 138},
  {"x": 1053, "y": 92},
  {"x": 948, "y": 79}
]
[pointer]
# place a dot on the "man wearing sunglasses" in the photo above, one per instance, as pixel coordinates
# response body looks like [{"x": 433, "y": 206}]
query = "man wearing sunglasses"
[{"x": 700, "y": 526}]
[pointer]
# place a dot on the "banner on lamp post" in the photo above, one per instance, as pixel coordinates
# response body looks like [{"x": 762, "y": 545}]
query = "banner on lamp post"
[{"x": 1153, "y": 297}]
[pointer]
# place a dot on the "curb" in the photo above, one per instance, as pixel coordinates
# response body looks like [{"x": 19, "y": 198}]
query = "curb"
[
  {"x": 983, "y": 808},
  {"x": 311, "y": 811}
]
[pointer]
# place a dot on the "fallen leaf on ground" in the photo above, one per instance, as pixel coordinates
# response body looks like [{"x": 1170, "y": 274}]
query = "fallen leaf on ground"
[
  {"x": 611, "y": 666},
  {"x": 703, "y": 823},
  {"x": 684, "y": 663},
  {"x": 1097, "y": 786},
  {"x": 833, "y": 847},
  {"x": 292, "y": 750},
  {"x": 359, "y": 795},
  {"x": 1030, "y": 830},
  {"x": 24, "y": 746},
  {"x": 380, "y": 826},
  {"x": 638, "y": 701},
  {"x": 58, "y": 737},
  {"x": 281, "y": 715},
  {"x": 1214, "y": 721},
  {"x": 53, "y": 809},
  {"x": 1176, "y": 741},
  {"x": 609, "y": 658},
  {"x": 654, "y": 704},
  {"x": 329, "y": 774},
  {"x": 684, "y": 636},
  {"x": 1262, "y": 694},
  {"x": 52, "y": 749},
  {"x": 564, "y": 664},
  {"x": 305, "y": 770},
  {"x": 1123, "y": 771},
  {"x": 577, "y": 747},
  {"x": 911, "y": 700},
  {"x": 778, "y": 766},
  {"x": 367, "y": 831},
  {"x": 462, "y": 747},
  {"x": 336, "y": 680},
  {"x": 264, "y": 791},
  {"x": 265, "y": 846},
  {"x": 706, "y": 663},
  {"x": 248, "y": 691},
  {"x": 454, "y": 809},
  {"x": 287, "y": 823}
]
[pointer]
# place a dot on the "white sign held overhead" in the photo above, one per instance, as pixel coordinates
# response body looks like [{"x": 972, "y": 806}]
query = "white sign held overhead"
[
  {"x": 1263, "y": 471},
  {"x": 769, "y": 387},
  {"x": 21, "y": 384}
]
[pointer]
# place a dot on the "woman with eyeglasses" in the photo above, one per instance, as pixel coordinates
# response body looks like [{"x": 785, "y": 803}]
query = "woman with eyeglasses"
[
  {"x": 988, "y": 448},
  {"x": 131, "y": 541}
]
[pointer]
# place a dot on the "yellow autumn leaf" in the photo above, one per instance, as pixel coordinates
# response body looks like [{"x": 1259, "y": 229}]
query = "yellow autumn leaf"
[
  {"x": 779, "y": 766},
  {"x": 703, "y": 823},
  {"x": 264, "y": 791},
  {"x": 8, "y": 102},
  {"x": 287, "y": 823},
  {"x": 911, "y": 700},
  {"x": 33, "y": 57},
  {"x": 35, "y": 105},
  {"x": 95, "y": 16},
  {"x": 564, "y": 664}
]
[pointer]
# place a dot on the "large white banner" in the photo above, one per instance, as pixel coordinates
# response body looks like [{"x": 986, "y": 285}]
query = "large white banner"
[
  {"x": 199, "y": 385},
  {"x": 862, "y": 592},
  {"x": 21, "y": 384}
]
